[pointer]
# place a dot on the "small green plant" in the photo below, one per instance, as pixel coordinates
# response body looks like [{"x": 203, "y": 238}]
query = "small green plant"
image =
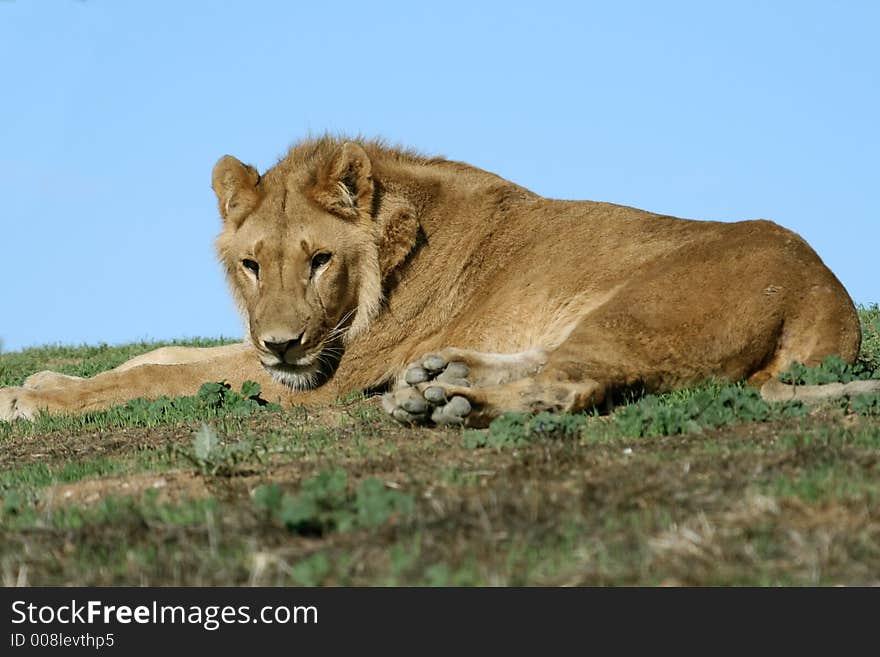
[
  {"x": 704, "y": 409},
  {"x": 209, "y": 454},
  {"x": 14, "y": 502},
  {"x": 865, "y": 405},
  {"x": 375, "y": 503},
  {"x": 654, "y": 415},
  {"x": 213, "y": 457},
  {"x": 221, "y": 398},
  {"x": 832, "y": 370},
  {"x": 517, "y": 429},
  {"x": 312, "y": 570},
  {"x": 325, "y": 503}
]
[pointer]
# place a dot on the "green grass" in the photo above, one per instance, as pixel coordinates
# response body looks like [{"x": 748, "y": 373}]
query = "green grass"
[
  {"x": 213, "y": 401},
  {"x": 111, "y": 510},
  {"x": 325, "y": 503},
  {"x": 40, "y": 475},
  {"x": 869, "y": 357},
  {"x": 703, "y": 486}
]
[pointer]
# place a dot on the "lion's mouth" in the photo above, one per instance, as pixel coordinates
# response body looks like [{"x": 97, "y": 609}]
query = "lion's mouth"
[
  {"x": 307, "y": 372},
  {"x": 301, "y": 363},
  {"x": 298, "y": 377}
]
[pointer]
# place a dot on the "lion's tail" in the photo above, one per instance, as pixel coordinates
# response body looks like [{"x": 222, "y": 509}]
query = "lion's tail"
[{"x": 777, "y": 391}]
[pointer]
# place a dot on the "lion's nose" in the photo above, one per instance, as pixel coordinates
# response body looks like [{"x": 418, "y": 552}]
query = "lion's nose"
[{"x": 279, "y": 346}]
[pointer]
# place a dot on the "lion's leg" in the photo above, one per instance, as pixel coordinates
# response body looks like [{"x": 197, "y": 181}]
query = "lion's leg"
[
  {"x": 602, "y": 353},
  {"x": 477, "y": 368},
  {"x": 160, "y": 356},
  {"x": 48, "y": 379},
  {"x": 180, "y": 355},
  {"x": 443, "y": 403},
  {"x": 457, "y": 386},
  {"x": 149, "y": 381}
]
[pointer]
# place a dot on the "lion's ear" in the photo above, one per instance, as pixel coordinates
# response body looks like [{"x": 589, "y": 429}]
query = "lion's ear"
[
  {"x": 235, "y": 185},
  {"x": 400, "y": 233},
  {"x": 344, "y": 184}
]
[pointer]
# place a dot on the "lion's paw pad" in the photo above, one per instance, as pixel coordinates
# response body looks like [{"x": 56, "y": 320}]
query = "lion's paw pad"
[
  {"x": 434, "y": 367},
  {"x": 406, "y": 408},
  {"x": 416, "y": 375},
  {"x": 433, "y": 363},
  {"x": 435, "y": 394},
  {"x": 452, "y": 412}
]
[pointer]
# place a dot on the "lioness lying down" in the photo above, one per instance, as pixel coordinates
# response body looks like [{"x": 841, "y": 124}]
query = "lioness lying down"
[{"x": 462, "y": 295}]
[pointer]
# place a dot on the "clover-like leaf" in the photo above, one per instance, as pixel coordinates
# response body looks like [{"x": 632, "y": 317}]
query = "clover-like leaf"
[{"x": 250, "y": 389}]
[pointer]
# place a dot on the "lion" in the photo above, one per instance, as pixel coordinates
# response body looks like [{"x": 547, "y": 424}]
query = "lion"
[{"x": 462, "y": 296}]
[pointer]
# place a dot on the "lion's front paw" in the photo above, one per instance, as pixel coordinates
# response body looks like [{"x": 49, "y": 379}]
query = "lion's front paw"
[
  {"x": 17, "y": 404},
  {"x": 427, "y": 405},
  {"x": 431, "y": 391}
]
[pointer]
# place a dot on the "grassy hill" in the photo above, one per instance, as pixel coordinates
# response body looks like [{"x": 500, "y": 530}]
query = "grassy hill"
[{"x": 704, "y": 486}]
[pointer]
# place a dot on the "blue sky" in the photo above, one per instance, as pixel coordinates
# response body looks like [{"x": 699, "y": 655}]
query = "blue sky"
[{"x": 114, "y": 113}]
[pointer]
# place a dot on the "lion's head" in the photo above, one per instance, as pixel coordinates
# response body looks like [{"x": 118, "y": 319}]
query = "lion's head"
[{"x": 301, "y": 249}]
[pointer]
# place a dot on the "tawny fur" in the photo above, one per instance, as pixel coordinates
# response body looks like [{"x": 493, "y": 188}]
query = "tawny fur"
[{"x": 428, "y": 254}]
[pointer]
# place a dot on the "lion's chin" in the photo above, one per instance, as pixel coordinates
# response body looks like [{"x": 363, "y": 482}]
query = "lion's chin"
[
  {"x": 295, "y": 376},
  {"x": 310, "y": 371}
]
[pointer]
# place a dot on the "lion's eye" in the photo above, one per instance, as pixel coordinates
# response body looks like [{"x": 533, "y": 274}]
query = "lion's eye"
[
  {"x": 319, "y": 260},
  {"x": 252, "y": 266}
]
